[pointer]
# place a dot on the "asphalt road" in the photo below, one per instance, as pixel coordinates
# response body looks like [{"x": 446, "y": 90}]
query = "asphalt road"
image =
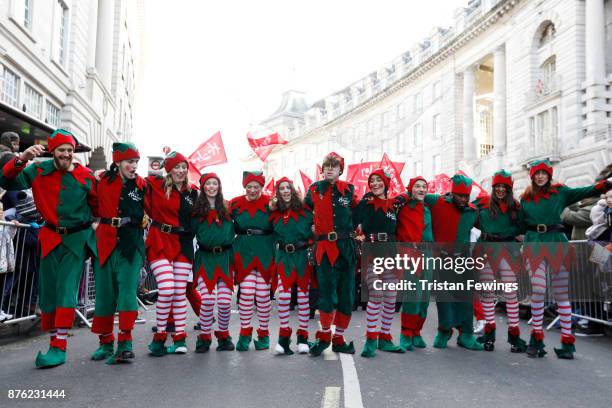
[{"x": 424, "y": 378}]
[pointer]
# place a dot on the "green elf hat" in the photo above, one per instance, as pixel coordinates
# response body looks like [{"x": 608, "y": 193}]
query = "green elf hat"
[
  {"x": 248, "y": 176},
  {"x": 172, "y": 160},
  {"x": 60, "y": 137},
  {"x": 461, "y": 184},
  {"x": 125, "y": 151},
  {"x": 386, "y": 177},
  {"x": 537, "y": 165},
  {"x": 503, "y": 177}
]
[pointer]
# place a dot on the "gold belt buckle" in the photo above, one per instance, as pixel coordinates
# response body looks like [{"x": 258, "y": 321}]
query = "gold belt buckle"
[
  {"x": 167, "y": 228},
  {"x": 382, "y": 236},
  {"x": 332, "y": 236},
  {"x": 115, "y": 222},
  {"x": 541, "y": 228},
  {"x": 217, "y": 250},
  {"x": 290, "y": 248},
  {"x": 61, "y": 230}
]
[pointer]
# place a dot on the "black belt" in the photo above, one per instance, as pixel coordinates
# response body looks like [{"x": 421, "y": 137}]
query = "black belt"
[
  {"x": 167, "y": 228},
  {"x": 295, "y": 246},
  {"x": 335, "y": 235},
  {"x": 119, "y": 222},
  {"x": 495, "y": 238},
  {"x": 253, "y": 231},
  {"x": 215, "y": 250},
  {"x": 542, "y": 228},
  {"x": 380, "y": 237},
  {"x": 67, "y": 230}
]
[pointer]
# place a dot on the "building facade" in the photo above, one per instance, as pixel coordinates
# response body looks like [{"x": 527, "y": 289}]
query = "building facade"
[
  {"x": 512, "y": 81},
  {"x": 75, "y": 65}
]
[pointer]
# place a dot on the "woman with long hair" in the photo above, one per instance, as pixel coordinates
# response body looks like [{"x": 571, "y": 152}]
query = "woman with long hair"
[
  {"x": 292, "y": 223},
  {"x": 499, "y": 223},
  {"x": 169, "y": 202},
  {"x": 253, "y": 259},
  {"x": 214, "y": 231},
  {"x": 546, "y": 248}
]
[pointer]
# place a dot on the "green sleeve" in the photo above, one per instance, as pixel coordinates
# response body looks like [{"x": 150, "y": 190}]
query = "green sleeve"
[
  {"x": 308, "y": 199},
  {"x": 358, "y": 212},
  {"x": 430, "y": 199},
  {"x": 23, "y": 181},
  {"x": 573, "y": 195}
]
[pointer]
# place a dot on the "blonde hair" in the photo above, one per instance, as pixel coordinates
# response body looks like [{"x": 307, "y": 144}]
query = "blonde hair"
[{"x": 168, "y": 183}]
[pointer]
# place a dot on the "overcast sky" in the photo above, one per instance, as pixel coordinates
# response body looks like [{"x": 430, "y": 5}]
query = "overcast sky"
[{"x": 223, "y": 65}]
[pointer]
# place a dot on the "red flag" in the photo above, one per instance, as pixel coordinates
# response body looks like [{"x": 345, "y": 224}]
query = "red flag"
[
  {"x": 357, "y": 174},
  {"x": 319, "y": 173},
  {"x": 441, "y": 184},
  {"x": 306, "y": 181},
  {"x": 269, "y": 188},
  {"x": 396, "y": 187},
  {"x": 263, "y": 146},
  {"x": 209, "y": 153}
]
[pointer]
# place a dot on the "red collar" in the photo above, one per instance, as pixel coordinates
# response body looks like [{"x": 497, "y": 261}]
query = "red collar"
[
  {"x": 82, "y": 174},
  {"x": 285, "y": 215},
  {"x": 241, "y": 204},
  {"x": 213, "y": 216},
  {"x": 540, "y": 195}
]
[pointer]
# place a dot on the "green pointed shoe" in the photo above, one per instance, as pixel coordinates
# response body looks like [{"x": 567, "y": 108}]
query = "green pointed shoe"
[
  {"x": 323, "y": 342},
  {"x": 567, "y": 350},
  {"x": 536, "y": 345},
  {"x": 123, "y": 354},
  {"x": 407, "y": 342},
  {"x": 225, "y": 344},
  {"x": 283, "y": 346},
  {"x": 203, "y": 344},
  {"x": 262, "y": 343},
  {"x": 243, "y": 343},
  {"x": 385, "y": 343},
  {"x": 517, "y": 345},
  {"x": 369, "y": 348},
  {"x": 442, "y": 338},
  {"x": 53, "y": 358},
  {"x": 418, "y": 342},
  {"x": 468, "y": 341},
  {"x": 157, "y": 348},
  {"x": 178, "y": 347},
  {"x": 103, "y": 352},
  {"x": 344, "y": 348}
]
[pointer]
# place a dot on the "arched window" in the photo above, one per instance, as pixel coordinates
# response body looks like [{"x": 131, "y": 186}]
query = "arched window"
[
  {"x": 546, "y": 81},
  {"x": 548, "y": 34}
]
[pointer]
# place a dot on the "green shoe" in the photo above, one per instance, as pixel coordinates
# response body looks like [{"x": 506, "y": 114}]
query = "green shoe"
[
  {"x": 442, "y": 338},
  {"x": 263, "y": 340},
  {"x": 225, "y": 344},
  {"x": 536, "y": 345},
  {"x": 567, "y": 349},
  {"x": 54, "y": 357},
  {"x": 178, "y": 347},
  {"x": 407, "y": 342},
  {"x": 302, "y": 342},
  {"x": 418, "y": 342},
  {"x": 123, "y": 354},
  {"x": 385, "y": 343},
  {"x": 283, "y": 346},
  {"x": 244, "y": 340},
  {"x": 369, "y": 348},
  {"x": 323, "y": 341},
  {"x": 203, "y": 344},
  {"x": 157, "y": 348},
  {"x": 343, "y": 348},
  {"x": 517, "y": 345},
  {"x": 468, "y": 341},
  {"x": 103, "y": 352},
  {"x": 488, "y": 338}
]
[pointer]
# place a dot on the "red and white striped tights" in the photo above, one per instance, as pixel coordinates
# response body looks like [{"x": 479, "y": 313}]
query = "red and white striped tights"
[
  {"x": 171, "y": 281},
  {"x": 222, "y": 295},
  {"x": 254, "y": 285}
]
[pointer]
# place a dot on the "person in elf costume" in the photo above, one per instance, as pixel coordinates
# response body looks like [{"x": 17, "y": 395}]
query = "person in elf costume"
[
  {"x": 253, "y": 259},
  {"x": 453, "y": 218},
  {"x": 376, "y": 214},
  {"x": 292, "y": 223},
  {"x": 546, "y": 247},
  {"x": 414, "y": 226},
  {"x": 120, "y": 253},
  {"x": 332, "y": 201},
  {"x": 214, "y": 231},
  {"x": 169, "y": 245},
  {"x": 499, "y": 223},
  {"x": 65, "y": 195}
]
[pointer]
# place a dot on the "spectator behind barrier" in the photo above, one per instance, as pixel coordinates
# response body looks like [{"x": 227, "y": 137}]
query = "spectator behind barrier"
[
  {"x": 601, "y": 216},
  {"x": 10, "y": 140}
]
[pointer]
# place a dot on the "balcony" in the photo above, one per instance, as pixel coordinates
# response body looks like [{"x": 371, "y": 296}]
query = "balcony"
[{"x": 543, "y": 89}]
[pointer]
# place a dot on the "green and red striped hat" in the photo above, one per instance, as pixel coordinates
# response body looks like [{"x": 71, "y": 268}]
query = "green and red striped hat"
[
  {"x": 125, "y": 151},
  {"x": 60, "y": 137},
  {"x": 503, "y": 177},
  {"x": 248, "y": 176},
  {"x": 461, "y": 184},
  {"x": 537, "y": 165},
  {"x": 172, "y": 160}
]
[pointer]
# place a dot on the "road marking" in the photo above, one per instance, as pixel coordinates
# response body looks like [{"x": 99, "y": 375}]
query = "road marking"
[
  {"x": 331, "y": 398},
  {"x": 352, "y": 390}
]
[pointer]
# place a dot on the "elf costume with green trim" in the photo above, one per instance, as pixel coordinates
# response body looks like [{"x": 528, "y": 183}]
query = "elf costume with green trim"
[
  {"x": 121, "y": 254},
  {"x": 497, "y": 241},
  {"x": 378, "y": 219},
  {"x": 212, "y": 266},
  {"x": 335, "y": 257},
  {"x": 414, "y": 226},
  {"x": 452, "y": 225},
  {"x": 293, "y": 236},
  {"x": 546, "y": 248},
  {"x": 253, "y": 261},
  {"x": 66, "y": 200}
]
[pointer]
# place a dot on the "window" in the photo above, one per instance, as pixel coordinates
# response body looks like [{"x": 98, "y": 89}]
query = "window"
[
  {"x": 437, "y": 163},
  {"x": 546, "y": 83},
  {"x": 435, "y": 126},
  {"x": 61, "y": 32},
  {"x": 401, "y": 111},
  {"x": 418, "y": 103},
  {"x": 32, "y": 102},
  {"x": 53, "y": 115},
  {"x": 417, "y": 132},
  {"x": 27, "y": 14},
  {"x": 10, "y": 87},
  {"x": 437, "y": 90},
  {"x": 548, "y": 34}
]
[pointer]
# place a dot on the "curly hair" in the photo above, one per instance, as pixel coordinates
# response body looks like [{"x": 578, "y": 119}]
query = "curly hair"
[{"x": 295, "y": 203}]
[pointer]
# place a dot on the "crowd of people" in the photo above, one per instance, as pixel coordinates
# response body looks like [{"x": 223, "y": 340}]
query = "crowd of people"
[{"x": 262, "y": 245}]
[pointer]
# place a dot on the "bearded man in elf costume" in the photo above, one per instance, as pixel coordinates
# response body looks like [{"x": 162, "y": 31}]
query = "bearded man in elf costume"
[
  {"x": 65, "y": 196},
  {"x": 376, "y": 214},
  {"x": 546, "y": 247},
  {"x": 414, "y": 226},
  {"x": 453, "y": 217},
  {"x": 121, "y": 253},
  {"x": 499, "y": 222},
  {"x": 332, "y": 201},
  {"x": 293, "y": 233},
  {"x": 253, "y": 259},
  {"x": 214, "y": 232}
]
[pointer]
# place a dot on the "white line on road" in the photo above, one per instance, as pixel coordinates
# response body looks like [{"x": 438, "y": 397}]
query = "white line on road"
[
  {"x": 331, "y": 398},
  {"x": 352, "y": 390}
]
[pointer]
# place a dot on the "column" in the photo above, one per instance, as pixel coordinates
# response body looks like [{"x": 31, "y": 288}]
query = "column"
[
  {"x": 469, "y": 143},
  {"x": 92, "y": 33},
  {"x": 595, "y": 66},
  {"x": 499, "y": 102},
  {"x": 104, "y": 41}
]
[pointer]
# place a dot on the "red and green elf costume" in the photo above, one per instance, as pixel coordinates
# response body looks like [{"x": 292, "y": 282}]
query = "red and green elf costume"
[
  {"x": 414, "y": 226},
  {"x": 169, "y": 249},
  {"x": 214, "y": 234},
  {"x": 498, "y": 241},
  {"x": 66, "y": 200},
  {"x": 378, "y": 219},
  {"x": 545, "y": 245},
  {"x": 293, "y": 235},
  {"x": 120, "y": 256},
  {"x": 452, "y": 225},
  {"x": 335, "y": 257},
  {"x": 253, "y": 261}
]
